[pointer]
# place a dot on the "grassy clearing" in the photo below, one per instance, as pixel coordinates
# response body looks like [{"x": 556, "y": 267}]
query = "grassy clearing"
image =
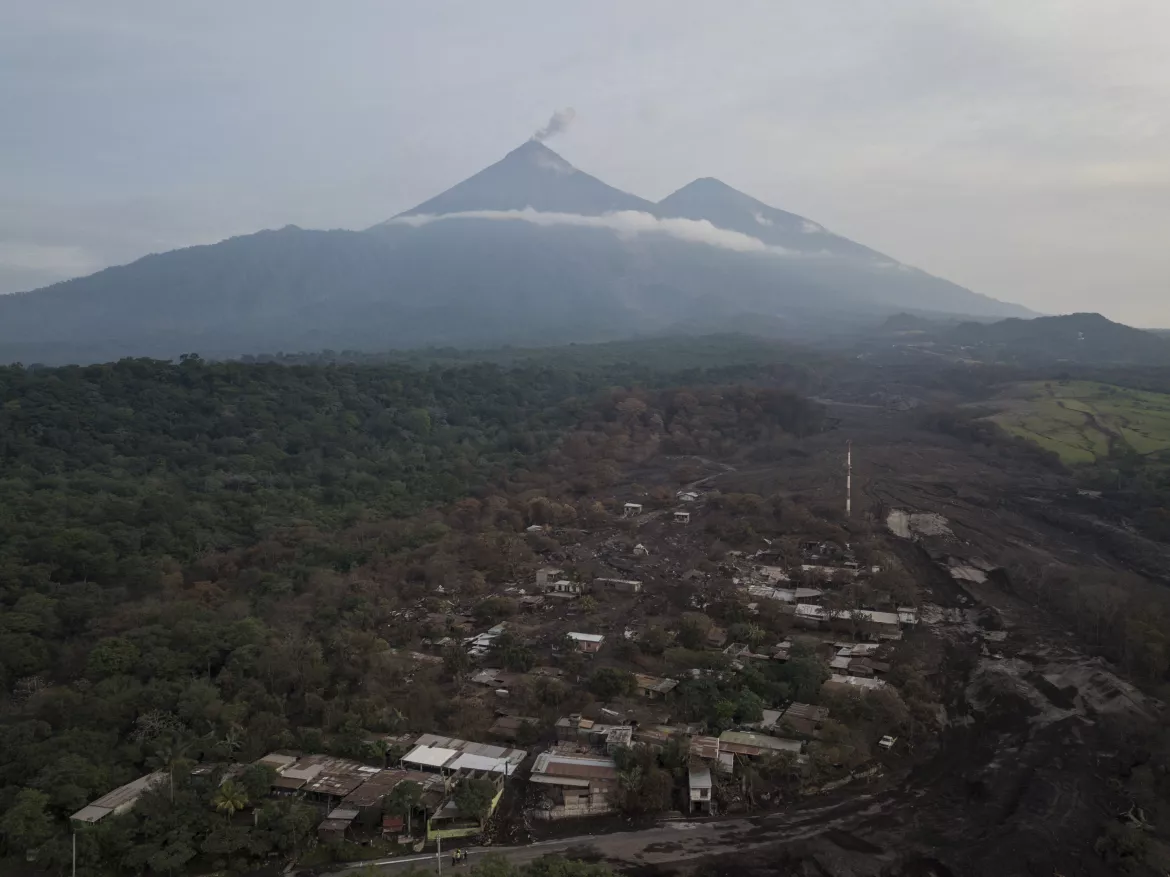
[{"x": 1082, "y": 420}]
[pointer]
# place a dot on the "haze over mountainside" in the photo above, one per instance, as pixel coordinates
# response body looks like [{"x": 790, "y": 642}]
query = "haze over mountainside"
[
  {"x": 1082, "y": 338},
  {"x": 528, "y": 251}
]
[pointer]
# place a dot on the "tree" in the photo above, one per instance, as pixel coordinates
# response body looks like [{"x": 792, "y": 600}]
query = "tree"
[
  {"x": 693, "y": 628},
  {"x": 111, "y": 656},
  {"x": 256, "y": 781},
  {"x": 654, "y": 640},
  {"x": 170, "y": 753},
  {"x": 609, "y": 683},
  {"x": 511, "y": 654},
  {"x": 230, "y": 798},
  {"x": 402, "y": 800},
  {"x": 474, "y": 798},
  {"x": 804, "y": 673},
  {"x": 27, "y": 824},
  {"x": 456, "y": 661}
]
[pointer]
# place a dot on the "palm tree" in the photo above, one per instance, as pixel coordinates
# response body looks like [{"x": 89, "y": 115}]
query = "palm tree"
[
  {"x": 231, "y": 741},
  {"x": 169, "y": 754},
  {"x": 230, "y": 799}
]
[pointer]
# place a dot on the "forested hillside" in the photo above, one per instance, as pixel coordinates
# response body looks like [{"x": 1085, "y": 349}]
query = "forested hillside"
[{"x": 207, "y": 561}]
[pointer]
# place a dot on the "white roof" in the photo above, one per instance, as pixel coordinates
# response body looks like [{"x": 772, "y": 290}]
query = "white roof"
[
  {"x": 431, "y": 756},
  {"x": 700, "y": 777},
  {"x": 809, "y": 610},
  {"x": 587, "y": 637},
  {"x": 469, "y": 761},
  {"x": 858, "y": 681},
  {"x": 308, "y": 772}
]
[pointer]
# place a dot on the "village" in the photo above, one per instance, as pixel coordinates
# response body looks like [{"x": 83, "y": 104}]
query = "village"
[{"x": 635, "y": 673}]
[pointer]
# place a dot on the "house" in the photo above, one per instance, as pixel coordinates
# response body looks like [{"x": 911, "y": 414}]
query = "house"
[
  {"x": 120, "y": 800},
  {"x": 367, "y": 799},
  {"x": 641, "y": 550},
  {"x": 631, "y": 510},
  {"x": 510, "y": 728},
  {"x": 699, "y": 781},
  {"x": 547, "y": 574},
  {"x": 589, "y": 643},
  {"x": 708, "y": 749},
  {"x": 325, "y": 779},
  {"x": 448, "y": 821},
  {"x": 884, "y": 625},
  {"x": 653, "y": 687},
  {"x": 480, "y": 644},
  {"x": 336, "y": 824},
  {"x": 737, "y": 651},
  {"x": 716, "y": 637},
  {"x": 752, "y": 745},
  {"x": 496, "y": 679},
  {"x": 535, "y": 528},
  {"x": 687, "y": 496},
  {"x": 769, "y": 575},
  {"x": 802, "y": 720},
  {"x": 627, "y": 586},
  {"x": 682, "y": 517},
  {"x": 450, "y": 755},
  {"x": 838, "y": 682},
  {"x": 784, "y": 595},
  {"x": 564, "y": 587},
  {"x": 574, "y": 785}
]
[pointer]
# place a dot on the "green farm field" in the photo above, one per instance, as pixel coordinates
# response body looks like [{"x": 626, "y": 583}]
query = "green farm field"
[{"x": 1083, "y": 420}]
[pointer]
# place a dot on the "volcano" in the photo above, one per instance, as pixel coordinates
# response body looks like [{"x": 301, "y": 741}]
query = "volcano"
[{"x": 530, "y": 250}]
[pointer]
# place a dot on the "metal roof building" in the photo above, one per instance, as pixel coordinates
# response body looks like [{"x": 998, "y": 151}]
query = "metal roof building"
[{"x": 120, "y": 799}]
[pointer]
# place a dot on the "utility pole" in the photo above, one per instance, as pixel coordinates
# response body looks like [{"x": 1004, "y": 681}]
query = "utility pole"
[
  {"x": 75, "y": 853},
  {"x": 849, "y": 478},
  {"x": 439, "y": 855}
]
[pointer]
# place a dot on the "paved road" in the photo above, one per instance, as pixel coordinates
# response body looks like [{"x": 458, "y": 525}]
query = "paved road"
[{"x": 672, "y": 841}]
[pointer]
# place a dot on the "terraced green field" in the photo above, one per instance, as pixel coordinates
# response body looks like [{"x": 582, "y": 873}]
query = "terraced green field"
[{"x": 1081, "y": 420}]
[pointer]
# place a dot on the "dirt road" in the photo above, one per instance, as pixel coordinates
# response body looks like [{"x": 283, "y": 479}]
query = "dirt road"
[{"x": 672, "y": 841}]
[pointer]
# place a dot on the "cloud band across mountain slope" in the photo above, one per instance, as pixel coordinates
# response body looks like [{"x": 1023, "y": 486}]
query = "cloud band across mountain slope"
[{"x": 627, "y": 223}]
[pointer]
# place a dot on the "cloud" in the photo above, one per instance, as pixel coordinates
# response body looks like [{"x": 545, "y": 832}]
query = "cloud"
[
  {"x": 761, "y": 219},
  {"x": 810, "y": 227},
  {"x": 560, "y": 120},
  {"x": 627, "y": 223}
]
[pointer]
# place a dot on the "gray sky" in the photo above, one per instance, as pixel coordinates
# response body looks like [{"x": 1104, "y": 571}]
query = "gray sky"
[{"x": 1018, "y": 147}]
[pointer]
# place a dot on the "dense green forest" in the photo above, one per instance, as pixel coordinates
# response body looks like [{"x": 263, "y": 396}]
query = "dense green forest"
[{"x": 205, "y": 561}]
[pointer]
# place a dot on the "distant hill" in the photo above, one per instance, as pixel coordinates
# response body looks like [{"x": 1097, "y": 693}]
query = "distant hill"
[
  {"x": 1089, "y": 339},
  {"x": 529, "y": 251}
]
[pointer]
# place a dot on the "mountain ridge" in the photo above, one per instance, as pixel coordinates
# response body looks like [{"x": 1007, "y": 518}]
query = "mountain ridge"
[{"x": 577, "y": 260}]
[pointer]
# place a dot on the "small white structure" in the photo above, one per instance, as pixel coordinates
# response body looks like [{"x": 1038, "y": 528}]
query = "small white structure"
[
  {"x": 547, "y": 574},
  {"x": 587, "y": 642},
  {"x": 700, "y": 788},
  {"x": 631, "y": 510},
  {"x": 687, "y": 496},
  {"x": 682, "y": 517},
  {"x": 564, "y": 586},
  {"x": 887, "y": 742},
  {"x": 629, "y": 586},
  {"x": 641, "y": 550}
]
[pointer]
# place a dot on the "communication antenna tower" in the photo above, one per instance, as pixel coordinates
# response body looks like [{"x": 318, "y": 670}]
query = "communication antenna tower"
[{"x": 849, "y": 478}]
